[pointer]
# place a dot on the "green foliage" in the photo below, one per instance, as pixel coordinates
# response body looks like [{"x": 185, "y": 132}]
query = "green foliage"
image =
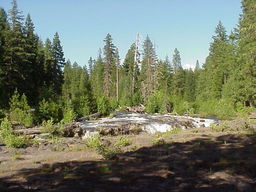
[
  {"x": 48, "y": 126},
  {"x": 243, "y": 111},
  {"x": 8, "y": 138},
  {"x": 122, "y": 142},
  {"x": 2, "y": 114},
  {"x": 181, "y": 106},
  {"x": 220, "y": 127},
  {"x": 104, "y": 106},
  {"x": 20, "y": 110},
  {"x": 223, "y": 109},
  {"x": 108, "y": 152},
  {"x": 93, "y": 141},
  {"x": 48, "y": 110},
  {"x": 68, "y": 113},
  {"x": 158, "y": 103},
  {"x": 158, "y": 141}
]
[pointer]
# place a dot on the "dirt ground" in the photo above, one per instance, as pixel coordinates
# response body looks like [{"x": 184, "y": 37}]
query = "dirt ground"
[{"x": 191, "y": 160}]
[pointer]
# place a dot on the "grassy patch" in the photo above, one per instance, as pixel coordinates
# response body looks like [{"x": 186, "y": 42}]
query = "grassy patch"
[
  {"x": 158, "y": 141},
  {"x": 122, "y": 142},
  {"x": 10, "y": 139}
]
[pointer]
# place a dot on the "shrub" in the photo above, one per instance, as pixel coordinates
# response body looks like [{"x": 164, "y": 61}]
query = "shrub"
[
  {"x": 108, "y": 152},
  {"x": 158, "y": 141},
  {"x": 49, "y": 127},
  {"x": 93, "y": 141},
  {"x": 220, "y": 127},
  {"x": 68, "y": 113},
  {"x": 243, "y": 111},
  {"x": 49, "y": 110},
  {"x": 122, "y": 142},
  {"x": 82, "y": 106},
  {"x": 20, "y": 110},
  {"x": 103, "y": 105},
  {"x": 158, "y": 103},
  {"x": 223, "y": 109},
  {"x": 8, "y": 138},
  {"x": 2, "y": 114},
  {"x": 113, "y": 104}
]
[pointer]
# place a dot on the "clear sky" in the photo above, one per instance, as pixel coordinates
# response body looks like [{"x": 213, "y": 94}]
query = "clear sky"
[{"x": 83, "y": 24}]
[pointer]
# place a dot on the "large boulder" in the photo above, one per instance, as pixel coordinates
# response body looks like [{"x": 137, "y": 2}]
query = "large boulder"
[{"x": 73, "y": 130}]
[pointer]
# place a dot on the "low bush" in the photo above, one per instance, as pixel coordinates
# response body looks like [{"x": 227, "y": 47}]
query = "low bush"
[
  {"x": 103, "y": 105},
  {"x": 158, "y": 103},
  {"x": 108, "y": 152},
  {"x": 220, "y": 127},
  {"x": 2, "y": 114},
  {"x": 158, "y": 141},
  {"x": 49, "y": 110},
  {"x": 8, "y": 138},
  {"x": 54, "y": 129},
  {"x": 222, "y": 109},
  {"x": 20, "y": 110},
  {"x": 122, "y": 142},
  {"x": 93, "y": 141},
  {"x": 69, "y": 114}
]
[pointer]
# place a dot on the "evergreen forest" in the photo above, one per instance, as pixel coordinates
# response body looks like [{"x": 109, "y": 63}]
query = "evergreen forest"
[{"x": 35, "y": 75}]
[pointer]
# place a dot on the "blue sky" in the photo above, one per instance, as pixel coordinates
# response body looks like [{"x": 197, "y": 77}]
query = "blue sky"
[{"x": 83, "y": 24}]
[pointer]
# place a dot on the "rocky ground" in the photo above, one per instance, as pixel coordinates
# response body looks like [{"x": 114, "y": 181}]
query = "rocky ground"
[{"x": 202, "y": 159}]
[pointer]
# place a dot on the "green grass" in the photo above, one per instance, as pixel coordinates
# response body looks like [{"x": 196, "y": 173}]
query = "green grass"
[{"x": 122, "y": 142}]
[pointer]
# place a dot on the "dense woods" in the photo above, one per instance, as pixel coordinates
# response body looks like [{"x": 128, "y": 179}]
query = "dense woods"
[{"x": 35, "y": 75}]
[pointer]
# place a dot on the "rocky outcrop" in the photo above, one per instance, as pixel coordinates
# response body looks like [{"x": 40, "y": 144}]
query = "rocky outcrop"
[
  {"x": 73, "y": 130},
  {"x": 124, "y": 129}
]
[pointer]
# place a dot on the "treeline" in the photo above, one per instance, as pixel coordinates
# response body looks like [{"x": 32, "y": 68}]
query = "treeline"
[{"x": 57, "y": 89}]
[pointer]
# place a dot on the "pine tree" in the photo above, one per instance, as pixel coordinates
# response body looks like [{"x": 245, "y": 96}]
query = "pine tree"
[
  {"x": 117, "y": 60},
  {"x": 148, "y": 68},
  {"x": 14, "y": 60},
  {"x": 197, "y": 65},
  {"x": 109, "y": 67},
  {"x": 189, "y": 86},
  {"x": 96, "y": 77},
  {"x": 3, "y": 29},
  {"x": 33, "y": 69},
  {"x": 219, "y": 63},
  {"x": 91, "y": 63},
  {"x": 178, "y": 80},
  {"x": 246, "y": 76},
  {"x": 129, "y": 82},
  {"x": 59, "y": 62},
  {"x": 176, "y": 60}
]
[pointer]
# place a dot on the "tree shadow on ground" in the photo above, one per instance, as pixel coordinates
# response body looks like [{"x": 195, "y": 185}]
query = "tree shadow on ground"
[{"x": 225, "y": 163}]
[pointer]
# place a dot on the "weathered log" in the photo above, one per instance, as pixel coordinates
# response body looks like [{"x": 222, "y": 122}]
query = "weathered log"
[{"x": 30, "y": 131}]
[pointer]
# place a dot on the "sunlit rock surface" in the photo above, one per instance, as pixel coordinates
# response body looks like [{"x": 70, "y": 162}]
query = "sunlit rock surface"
[{"x": 125, "y": 123}]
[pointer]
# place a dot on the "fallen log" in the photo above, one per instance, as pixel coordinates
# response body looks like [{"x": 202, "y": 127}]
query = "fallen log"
[{"x": 29, "y": 131}]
